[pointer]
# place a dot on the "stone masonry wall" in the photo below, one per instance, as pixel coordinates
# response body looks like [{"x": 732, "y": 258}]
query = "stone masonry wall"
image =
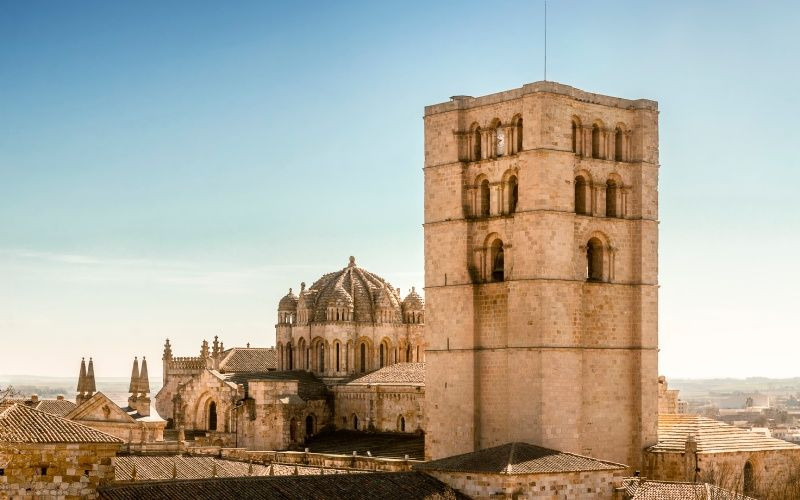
[{"x": 68, "y": 471}]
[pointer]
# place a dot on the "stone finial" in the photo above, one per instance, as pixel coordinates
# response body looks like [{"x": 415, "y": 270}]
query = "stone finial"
[
  {"x": 204, "y": 349},
  {"x": 352, "y": 262},
  {"x": 215, "y": 346},
  {"x": 82, "y": 378},
  {"x": 91, "y": 387},
  {"x": 167, "y": 351},
  {"x": 302, "y": 286},
  {"x": 296, "y": 471},
  {"x": 174, "y": 470},
  {"x": 221, "y": 348},
  {"x": 248, "y": 345},
  {"x": 144, "y": 379},
  {"x": 134, "y": 385}
]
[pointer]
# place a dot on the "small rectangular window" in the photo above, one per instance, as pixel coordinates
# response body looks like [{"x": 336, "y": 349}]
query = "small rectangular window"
[
  {"x": 2, "y": 472},
  {"x": 43, "y": 471}
]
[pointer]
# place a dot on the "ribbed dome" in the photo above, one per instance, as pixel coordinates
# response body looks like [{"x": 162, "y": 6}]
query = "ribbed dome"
[
  {"x": 413, "y": 301},
  {"x": 288, "y": 302},
  {"x": 351, "y": 287}
]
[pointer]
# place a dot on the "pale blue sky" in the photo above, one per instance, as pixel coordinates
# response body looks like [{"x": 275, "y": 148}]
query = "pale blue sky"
[{"x": 170, "y": 170}]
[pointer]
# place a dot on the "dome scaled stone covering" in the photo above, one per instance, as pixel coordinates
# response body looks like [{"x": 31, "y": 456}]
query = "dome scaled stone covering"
[
  {"x": 352, "y": 287},
  {"x": 413, "y": 301},
  {"x": 288, "y": 302}
]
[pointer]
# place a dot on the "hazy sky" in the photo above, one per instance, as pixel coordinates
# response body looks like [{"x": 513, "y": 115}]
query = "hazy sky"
[{"x": 171, "y": 170}]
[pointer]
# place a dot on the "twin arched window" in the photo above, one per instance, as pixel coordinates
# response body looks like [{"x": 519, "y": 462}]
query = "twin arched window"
[
  {"x": 597, "y": 146},
  {"x": 483, "y": 198},
  {"x": 496, "y": 140},
  {"x": 613, "y": 193}
]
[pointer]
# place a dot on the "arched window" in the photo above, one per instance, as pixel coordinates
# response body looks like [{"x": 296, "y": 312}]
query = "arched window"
[
  {"x": 289, "y": 357},
  {"x": 594, "y": 260},
  {"x": 293, "y": 430},
  {"x": 309, "y": 425},
  {"x": 575, "y": 130},
  {"x": 338, "y": 349},
  {"x": 355, "y": 421},
  {"x": 308, "y": 358},
  {"x": 484, "y": 191},
  {"x": 580, "y": 195},
  {"x": 476, "y": 144},
  {"x": 749, "y": 483},
  {"x": 382, "y": 355},
  {"x": 513, "y": 194},
  {"x": 212, "y": 416},
  {"x": 595, "y": 141},
  {"x": 497, "y": 261},
  {"x": 518, "y": 135},
  {"x": 321, "y": 357},
  {"x": 611, "y": 199},
  {"x": 401, "y": 424},
  {"x": 363, "y": 355},
  {"x": 618, "y": 144},
  {"x": 408, "y": 353}
]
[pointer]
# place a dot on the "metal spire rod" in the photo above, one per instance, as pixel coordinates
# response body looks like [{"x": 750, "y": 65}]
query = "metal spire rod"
[{"x": 545, "y": 40}]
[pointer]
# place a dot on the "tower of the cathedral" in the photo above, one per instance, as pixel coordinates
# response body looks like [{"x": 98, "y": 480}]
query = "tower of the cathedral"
[{"x": 541, "y": 241}]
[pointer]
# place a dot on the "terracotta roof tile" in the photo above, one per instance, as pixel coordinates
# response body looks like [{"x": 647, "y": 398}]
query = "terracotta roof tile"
[
  {"x": 398, "y": 373},
  {"x": 645, "y": 489},
  {"x": 60, "y": 407},
  {"x": 518, "y": 458},
  {"x": 21, "y": 424},
  {"x": 249, "y": 359},
  {"x": 153, "y": 468},
  {"x": 386, "y": 485},
  {"x": 712, "y": 436}
]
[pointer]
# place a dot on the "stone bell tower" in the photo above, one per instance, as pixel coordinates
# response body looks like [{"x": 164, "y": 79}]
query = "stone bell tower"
[{"x": 541, "y": 277}]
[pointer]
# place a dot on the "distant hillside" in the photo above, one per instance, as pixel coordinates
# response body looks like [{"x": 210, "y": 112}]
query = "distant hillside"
[
  {"x": 693, "y": 388},
  {"x": 115, "y": 388}
]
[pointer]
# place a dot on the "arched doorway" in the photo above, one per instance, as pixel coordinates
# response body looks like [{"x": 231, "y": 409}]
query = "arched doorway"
[
  {"x": 355, "y": 422},
  {"x": 309, "y": 426},
  {"x": 212, "y": 416},
  {"x": 401, "y": 424},
  {"x": 749, "y": 483},
  {"x": 293, "y": 430}
]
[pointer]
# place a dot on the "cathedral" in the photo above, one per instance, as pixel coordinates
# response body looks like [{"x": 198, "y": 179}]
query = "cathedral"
[{"x": 530, "y": 368}]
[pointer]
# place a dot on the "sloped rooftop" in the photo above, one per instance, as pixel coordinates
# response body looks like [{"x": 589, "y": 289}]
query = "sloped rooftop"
[
  {"x": 518, "y": 458},
  {"x": 389, "y": 485},
  {"x": 60, "y": 407},
  {"x": 249, "y": 359},
  {"x": 378, "y": 444},
  {"x": 712, "y": 436},
  {"x": 21, "y": 424},
  {"x": 396, "y": 374},
  {"x": 645, "y": 489},
  {"x": 155, "y": 468}
]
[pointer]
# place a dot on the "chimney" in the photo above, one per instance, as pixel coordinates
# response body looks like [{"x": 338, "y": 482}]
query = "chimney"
[{"x": 34, "y": 398}]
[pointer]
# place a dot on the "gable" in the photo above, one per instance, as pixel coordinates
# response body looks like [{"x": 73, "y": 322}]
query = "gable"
[{"x": 99, "y": 408}]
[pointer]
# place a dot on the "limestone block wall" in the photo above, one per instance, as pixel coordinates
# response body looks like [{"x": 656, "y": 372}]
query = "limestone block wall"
[
  {"x": 545, "y": 355},
  {"x": 276, "y": 418},
  {"x": 380, "y": 408},
  {"x": 134, "y": 432},
  {"x": 594, "y": 485},
  {"x": 776, "y": 473},
  {"x": 55, "y": 470}
]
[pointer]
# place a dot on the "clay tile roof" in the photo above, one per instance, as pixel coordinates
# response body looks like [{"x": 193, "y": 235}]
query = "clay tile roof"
[
  {"x": 389, "y": 485},
  {"x": 60, "y": 407},
  {"x": 645, "y": 489},
  {"x": 712, "y": 436},
  {"x": 249, "y": 359},
  {"x": 159, "y": 468},
  {"x": 21, "y": 424},
  {"x": 518, "y": 458},
  {"x": 398, "y": 373}
]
